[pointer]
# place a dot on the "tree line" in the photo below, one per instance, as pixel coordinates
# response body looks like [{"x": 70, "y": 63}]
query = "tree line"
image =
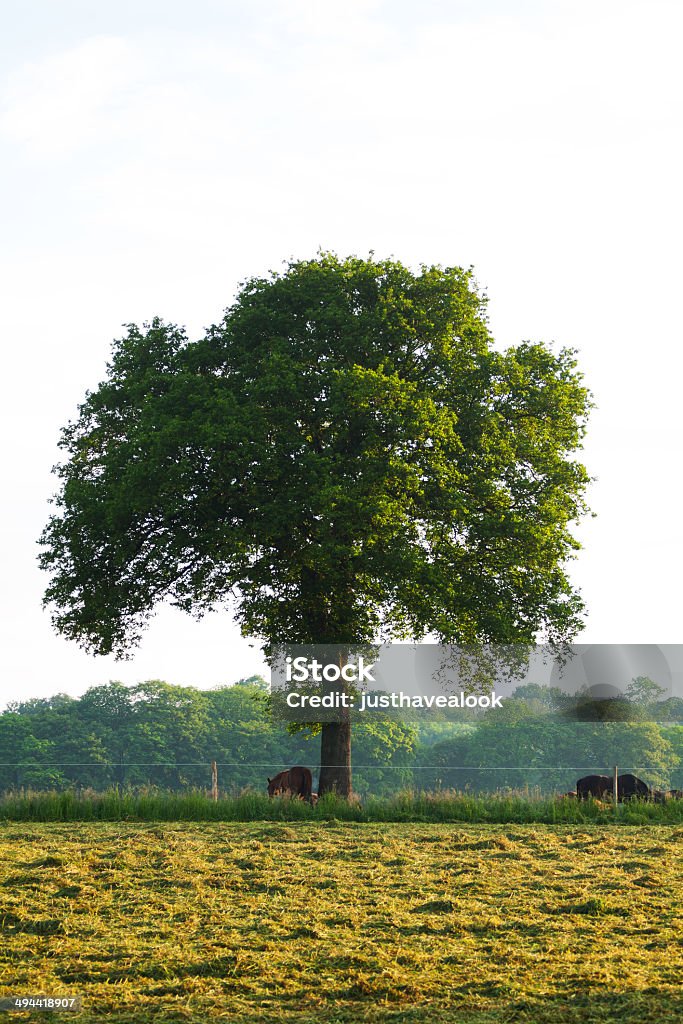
[{"x": 162, "y": 735}]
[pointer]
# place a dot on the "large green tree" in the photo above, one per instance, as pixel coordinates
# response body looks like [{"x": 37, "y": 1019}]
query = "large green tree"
[{"x": 346, "y": 456}]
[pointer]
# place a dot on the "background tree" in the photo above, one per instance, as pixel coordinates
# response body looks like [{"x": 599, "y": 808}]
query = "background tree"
[
  {"x": 23, "y": 755},
  {"x": 644, "y": 690},
  {"x": 70, "y": 740},
  {"x": 674, "y": 736},
  {"x": 171, "y": 722},
  {"x": 669, "y": 710},
  {"x": 61, "y": 742},
  {"x": 172, "y": 737},
  {"x": 517, "y": 747},
  {"x": 345, "y": 456},
  {"x": 110, "y": 710}
]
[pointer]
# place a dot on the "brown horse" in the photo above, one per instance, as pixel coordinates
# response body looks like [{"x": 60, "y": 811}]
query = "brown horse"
[{"x": 296, "y": 782}]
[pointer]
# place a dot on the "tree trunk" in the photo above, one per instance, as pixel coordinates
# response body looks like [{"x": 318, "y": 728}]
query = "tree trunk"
[
  {"x": 335, "y": 759},
  {"x": 335, "y": 742},
  {"x": 335, "y": 746}
]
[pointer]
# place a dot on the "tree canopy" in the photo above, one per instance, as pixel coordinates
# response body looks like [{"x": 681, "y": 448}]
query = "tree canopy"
[{"x": 345, "y": 456}]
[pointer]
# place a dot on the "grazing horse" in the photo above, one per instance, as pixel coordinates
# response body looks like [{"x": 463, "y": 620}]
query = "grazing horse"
[
  {"x": 296, "y": 782},
  {"x": 596, "y": 786},
  {"x": 660, "y": 796},
  {"x": 631, "y": 786}
]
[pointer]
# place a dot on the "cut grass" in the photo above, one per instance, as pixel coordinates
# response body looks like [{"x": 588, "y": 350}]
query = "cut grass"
[
  {"x": 404, "y": 807},
  {"x": 324, "y": 921}
]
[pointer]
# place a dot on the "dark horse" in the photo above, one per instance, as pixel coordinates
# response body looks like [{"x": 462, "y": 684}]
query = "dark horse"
[
  {"x": 597, "y": 786},
  {"x": 296, "y": 782},
  {"x": 630, "y": 787},
  {"x": 601, "y": 786}
]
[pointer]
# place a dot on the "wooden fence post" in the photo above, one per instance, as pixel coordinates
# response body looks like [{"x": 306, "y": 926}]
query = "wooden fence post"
[
  {"x": 214, "y": 780},
  {"x": 616, "y": 790}
]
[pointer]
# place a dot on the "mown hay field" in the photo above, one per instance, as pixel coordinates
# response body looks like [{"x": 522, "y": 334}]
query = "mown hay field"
[{"x": 345, "y": 922}]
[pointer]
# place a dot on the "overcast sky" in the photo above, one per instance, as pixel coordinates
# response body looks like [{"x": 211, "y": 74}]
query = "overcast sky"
[{"x": 154, "y": 154}]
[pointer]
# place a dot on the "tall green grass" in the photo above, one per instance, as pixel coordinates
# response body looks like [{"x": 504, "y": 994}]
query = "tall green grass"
[{"x": 408, "y": 806}]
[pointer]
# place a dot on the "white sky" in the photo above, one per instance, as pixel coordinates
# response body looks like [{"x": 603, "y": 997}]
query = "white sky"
[{"x": 154, "y": 154}]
